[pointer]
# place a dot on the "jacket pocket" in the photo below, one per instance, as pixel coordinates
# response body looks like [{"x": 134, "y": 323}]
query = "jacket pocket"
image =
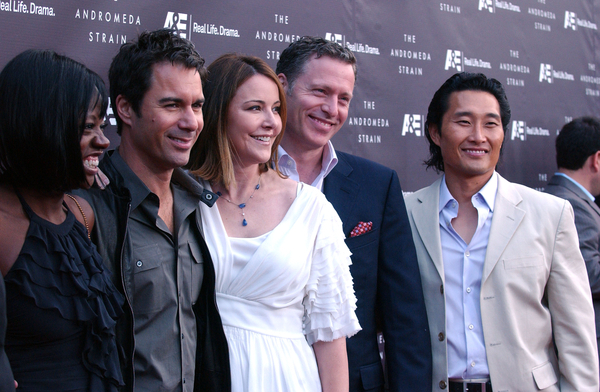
[
  {"x": 371, "y": 376},
  {"x": 524, "y": 262},
  {"x": 544, "y": 375},
  {"x": 362, "y": 240}
]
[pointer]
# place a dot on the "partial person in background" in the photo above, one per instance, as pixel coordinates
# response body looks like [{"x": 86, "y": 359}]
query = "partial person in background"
[
  {"x": 318, "y": 78},
  {"x": 578, "y": 181},
  {"x": 149, "y": 229},
  {"x": 7, "y": 383},
  {"x": 61, "y": 304},
  {"x": 284, "y": 287},
  {"x": 505, "y": 285}
]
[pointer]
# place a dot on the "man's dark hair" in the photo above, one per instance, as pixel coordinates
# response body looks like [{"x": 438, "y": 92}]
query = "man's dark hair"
[
  {"x": 44, "y": 102},
  {"x": 294, "y": 57},
  {"x": 576, "y": 141},
  {"x": 130, "y": 73},
  {"x": 462, "y": 81}
]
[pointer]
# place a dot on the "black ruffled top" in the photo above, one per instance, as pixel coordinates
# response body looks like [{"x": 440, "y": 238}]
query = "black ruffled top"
[{"x": 61, "y": 309}]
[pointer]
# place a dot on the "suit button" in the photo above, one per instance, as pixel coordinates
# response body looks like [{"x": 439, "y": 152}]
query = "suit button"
[
  {"x": 441, "y": 336},
  {"x": 442, "y": 289},
  {"x": 443, "y": 384}
]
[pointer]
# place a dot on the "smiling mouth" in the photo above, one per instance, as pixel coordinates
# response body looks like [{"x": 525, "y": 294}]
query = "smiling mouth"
[
  {"x": 476, "y": 152},
  {"x": 91, "y": 162},
  {"x": 323, "y": 123},
  {"x": 262, "y": 138},
  {"x": 180, "y": 141}
]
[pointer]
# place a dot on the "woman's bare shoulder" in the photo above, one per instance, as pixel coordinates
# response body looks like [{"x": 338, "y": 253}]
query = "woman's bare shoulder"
[
  {"x": 85, "y": 215},
  {"x": 13, "y": 227}
]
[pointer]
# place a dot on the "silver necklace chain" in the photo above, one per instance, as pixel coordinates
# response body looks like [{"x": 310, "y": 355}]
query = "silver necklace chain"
[{"x": 243, "y": 205}]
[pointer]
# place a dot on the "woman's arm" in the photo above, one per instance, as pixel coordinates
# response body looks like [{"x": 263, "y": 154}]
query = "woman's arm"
[
  {"x": 13, "y": 228},
  {"x": 332, "y": 360}
]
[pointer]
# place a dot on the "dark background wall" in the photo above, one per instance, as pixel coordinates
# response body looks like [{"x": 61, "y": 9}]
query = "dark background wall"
[{"x": 545, "y": 52}]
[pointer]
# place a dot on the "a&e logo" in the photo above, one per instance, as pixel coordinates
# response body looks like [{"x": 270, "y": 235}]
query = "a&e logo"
[
  {"x": 545, "y": 73},
  {"x": 486, "y": 5},
  {"x": 518, "y": 131},
  {"x": 454, "y": 60},
  {"x": 110, "y": 116},
  {"x": 570, "y": 20},
  {"x": 337, "y": 38},
  {"x": 412, "y": 124},
  {"x": 177, "y": 21}
]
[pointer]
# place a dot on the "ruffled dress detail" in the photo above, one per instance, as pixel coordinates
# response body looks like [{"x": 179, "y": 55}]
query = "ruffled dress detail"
[
  {"x": 330, "y": 301},
  {"x": 281, "y": 292},
  {"x": 61, "y": 271}
]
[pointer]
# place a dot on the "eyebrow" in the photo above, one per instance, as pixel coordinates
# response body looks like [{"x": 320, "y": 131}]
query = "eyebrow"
[
  {"x": 170, "y": 99},
  {"x": 259, "y": 101},
  {"x": 177, "y": 100},
  {"x": 325, "y": 86},
  {"x": 467, "y": 113}
]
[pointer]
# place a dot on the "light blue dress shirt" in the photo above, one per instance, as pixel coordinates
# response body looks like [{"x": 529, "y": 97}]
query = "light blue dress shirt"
[
  {"x": 287, "y": 165},
  {"x": 463, "y": 270}
]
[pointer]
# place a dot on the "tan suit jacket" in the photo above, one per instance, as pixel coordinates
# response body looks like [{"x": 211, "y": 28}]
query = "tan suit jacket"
[{"x": 535, "y": 297}]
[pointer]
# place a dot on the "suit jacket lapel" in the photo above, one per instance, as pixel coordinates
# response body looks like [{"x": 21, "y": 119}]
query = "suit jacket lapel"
[
  {"x": 506, "y": 220},
  {"x": 341, "y": 191},
  {"x": 427, "y": 221},
  {"x": 564, "y": 182},
  {"x": 593, "y": 205}
]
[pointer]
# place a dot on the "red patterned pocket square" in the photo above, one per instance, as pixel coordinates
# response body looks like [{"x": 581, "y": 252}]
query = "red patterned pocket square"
[{"x": 361, "y": 228}]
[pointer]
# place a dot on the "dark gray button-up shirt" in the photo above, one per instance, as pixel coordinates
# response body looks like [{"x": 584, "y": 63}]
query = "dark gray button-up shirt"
[{"x": 167, "y": 277}]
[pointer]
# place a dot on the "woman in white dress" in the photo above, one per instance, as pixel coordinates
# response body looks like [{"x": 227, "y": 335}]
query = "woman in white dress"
[{"x": 284, "y": 288}]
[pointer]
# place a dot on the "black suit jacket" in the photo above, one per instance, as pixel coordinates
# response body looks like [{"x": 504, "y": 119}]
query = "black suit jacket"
[{"x": 386, "y": 278}]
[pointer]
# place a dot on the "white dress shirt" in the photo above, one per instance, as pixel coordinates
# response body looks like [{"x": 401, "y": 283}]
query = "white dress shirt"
[
  {"x": 287, "y": 165},
  {"x": 463, "y": 269}
]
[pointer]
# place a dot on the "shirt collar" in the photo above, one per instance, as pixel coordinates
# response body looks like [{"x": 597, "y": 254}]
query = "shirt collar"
[
  {"x": 329, "y": 159},
  {"x": 138, "y": 190},
  {"x": 587, "y": 193},
  {"x": 488, "y": 192},
  {"x": 285, "y": 160},
  {"x": 328, "y": 162}
]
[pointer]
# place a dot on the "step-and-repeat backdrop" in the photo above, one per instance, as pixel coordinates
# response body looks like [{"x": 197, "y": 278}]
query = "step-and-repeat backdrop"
[{"x": 545, "y": 52}]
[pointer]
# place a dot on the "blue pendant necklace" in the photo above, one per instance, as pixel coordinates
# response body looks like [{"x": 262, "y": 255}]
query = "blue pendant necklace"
[{"x": 243, "y": 205}]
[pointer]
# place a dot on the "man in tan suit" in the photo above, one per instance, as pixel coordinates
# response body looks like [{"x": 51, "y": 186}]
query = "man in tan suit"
[{"x": 505, "y": 285}]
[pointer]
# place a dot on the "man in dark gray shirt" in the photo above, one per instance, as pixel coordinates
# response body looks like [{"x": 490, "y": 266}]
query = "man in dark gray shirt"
[{"x": 148, "y": 224}]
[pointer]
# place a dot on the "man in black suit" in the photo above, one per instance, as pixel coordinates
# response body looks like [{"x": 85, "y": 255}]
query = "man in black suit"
[
  {"x": 578, "y": 181},
  {"x": 318, "y": 77}
]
